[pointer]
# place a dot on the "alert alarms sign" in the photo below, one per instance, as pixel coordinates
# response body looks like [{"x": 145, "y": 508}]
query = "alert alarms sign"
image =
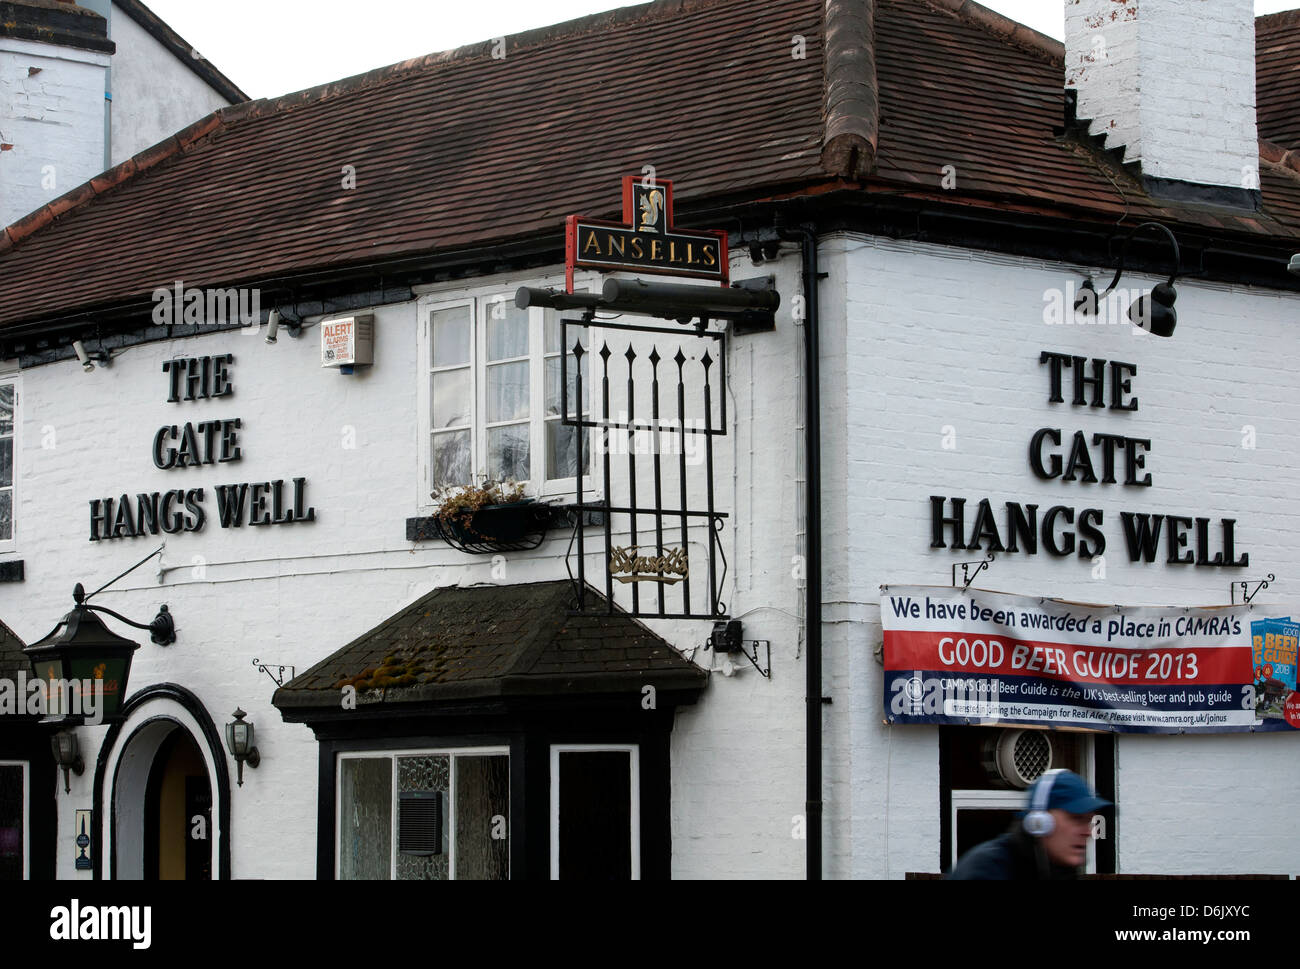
[{"x": 347, "y": 342}]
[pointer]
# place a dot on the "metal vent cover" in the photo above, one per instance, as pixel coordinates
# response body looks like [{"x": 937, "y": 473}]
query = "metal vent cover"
[
  {"x": 419, "y": 823},
  {"x": 1019, "y": 757}
]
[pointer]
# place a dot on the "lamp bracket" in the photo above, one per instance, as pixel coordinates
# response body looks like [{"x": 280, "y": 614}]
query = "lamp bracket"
[
  {"x": 967, "y": 575},
  {"x": 278, "y": 676},
  {"x": 162, "y": 630},
  {"x": 1246, "y": 593}
]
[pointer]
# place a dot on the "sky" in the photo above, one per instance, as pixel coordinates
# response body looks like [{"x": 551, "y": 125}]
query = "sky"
[{"x": 302, "y": 43}]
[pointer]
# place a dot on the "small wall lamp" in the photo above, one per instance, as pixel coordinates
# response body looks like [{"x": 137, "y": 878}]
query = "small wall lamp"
[
  {"x": 239, "y": 738},
  {"x": 67, "y": 755},
  {"x": 1153, "y": 312},
  {"x": 1294, "y": 266}
]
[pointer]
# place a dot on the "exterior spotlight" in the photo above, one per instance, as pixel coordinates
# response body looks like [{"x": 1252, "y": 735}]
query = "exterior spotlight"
[
  {"x": 1294, "y": 267},
  {"x": 239, "y": 738},
  {"x": 83, "y": 356},
  {"x": 68, "y": 756},
  {"x": 1086, "y": 301},
  {"x": 1155, "y": 311},
  {"x": 272, "y": 326}
]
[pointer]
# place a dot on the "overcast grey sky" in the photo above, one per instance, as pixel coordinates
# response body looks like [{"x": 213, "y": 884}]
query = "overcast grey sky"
[{"x": 271, "y": 47}]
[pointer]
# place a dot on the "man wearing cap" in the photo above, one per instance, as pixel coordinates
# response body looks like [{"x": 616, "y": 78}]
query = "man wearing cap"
[{"x": 1049, "y": 841}]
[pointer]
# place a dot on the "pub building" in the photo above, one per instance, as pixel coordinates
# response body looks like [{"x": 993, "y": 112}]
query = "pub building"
[{"x": 543, "y": 480}]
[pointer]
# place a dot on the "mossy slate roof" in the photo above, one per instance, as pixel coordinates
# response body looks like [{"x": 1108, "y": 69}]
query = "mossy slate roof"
[{"x": 494, "y": 641}]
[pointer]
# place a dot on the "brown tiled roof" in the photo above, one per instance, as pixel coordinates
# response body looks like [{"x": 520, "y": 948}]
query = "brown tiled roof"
[
  {"x": 458, "y": 151},
  {"x": 1277, "y": 77},
  {"x": 494, "y": 641}
]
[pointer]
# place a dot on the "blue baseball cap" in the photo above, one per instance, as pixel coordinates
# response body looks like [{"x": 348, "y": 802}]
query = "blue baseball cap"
[{"x": 1068, "y": 792}]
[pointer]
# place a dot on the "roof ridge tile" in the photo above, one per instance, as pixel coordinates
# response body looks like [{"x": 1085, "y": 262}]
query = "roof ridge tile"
[{"x": 1004, "y": 28}]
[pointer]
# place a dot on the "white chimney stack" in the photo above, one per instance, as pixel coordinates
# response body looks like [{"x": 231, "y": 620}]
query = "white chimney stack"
[{"x": 1172, "y": 83}]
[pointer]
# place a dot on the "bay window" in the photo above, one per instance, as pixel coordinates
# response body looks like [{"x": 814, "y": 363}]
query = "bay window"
[{"x": 424, "y": 815}]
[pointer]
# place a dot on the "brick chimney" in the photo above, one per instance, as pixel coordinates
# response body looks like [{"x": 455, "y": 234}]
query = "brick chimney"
[
  {"x": 54, "y": 58},
  {"x": 1172, "y": 83}
]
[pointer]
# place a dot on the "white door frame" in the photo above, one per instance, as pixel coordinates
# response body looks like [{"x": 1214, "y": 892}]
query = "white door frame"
[{"x": 634, "y": 765}]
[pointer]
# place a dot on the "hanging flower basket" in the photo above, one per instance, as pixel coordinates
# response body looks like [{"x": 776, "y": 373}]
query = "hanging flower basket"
[{"x": 488, "y": 518}]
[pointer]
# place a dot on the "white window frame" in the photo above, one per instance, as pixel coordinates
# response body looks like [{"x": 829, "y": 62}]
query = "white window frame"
[
  {"x": 634, "y": 765},
  {"x": 481, "y": 299},
  {"x": 391, "y": 756},
  {"x": 1011, "y": 800},
  {"x": 27, "y": 813},
  {"x": 11, "y": 544}
]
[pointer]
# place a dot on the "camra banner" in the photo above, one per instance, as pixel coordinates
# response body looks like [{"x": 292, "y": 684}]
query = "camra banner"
[{"x": 985, "y": 658}]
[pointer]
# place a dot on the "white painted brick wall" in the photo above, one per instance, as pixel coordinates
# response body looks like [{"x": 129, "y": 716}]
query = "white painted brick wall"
[
  {"x": 1134, "y": 65},
  {"x": 53, "y": 121},
  {"x": 936, "y": 337},
  {"x": 295, "y": 594}
]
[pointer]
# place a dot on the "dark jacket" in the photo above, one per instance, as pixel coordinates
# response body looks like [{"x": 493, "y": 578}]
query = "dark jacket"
[{"x": 1014, "y": 856}]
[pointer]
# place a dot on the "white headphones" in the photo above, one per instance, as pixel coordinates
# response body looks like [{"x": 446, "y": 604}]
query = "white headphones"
[{"x": 1039, "y": 821}]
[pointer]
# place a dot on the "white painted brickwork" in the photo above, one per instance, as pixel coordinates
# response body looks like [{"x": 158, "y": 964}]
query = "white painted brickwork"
[
  {"x": 52, "y": 114},
  {"x": 1133, "y": 64},
  {"x": 294, "y": 594},
  {"x": 937, "y": 338}
]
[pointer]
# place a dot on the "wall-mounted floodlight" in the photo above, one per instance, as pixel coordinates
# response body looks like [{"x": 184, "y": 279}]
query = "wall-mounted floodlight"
[
  {"x": 88, "y": 359},
  {"x": 1153, "y": 312}
]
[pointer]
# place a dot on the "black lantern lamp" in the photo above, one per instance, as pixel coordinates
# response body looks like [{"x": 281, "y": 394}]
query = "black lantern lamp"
[
  {"x": 68, "y": 756},
  {"x": 1153, "y": 312},
  {"x": 81, "y": 650},
  {"x": 239, "y": 738}
]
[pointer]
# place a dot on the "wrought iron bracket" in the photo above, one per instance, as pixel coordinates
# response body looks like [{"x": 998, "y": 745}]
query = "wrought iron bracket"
[
  {"x": 1246, "y": 593},
  {"x": 766, "y": 669},
  {"x": 966, "y": 574},
  {"x": 277, "y": 677}
]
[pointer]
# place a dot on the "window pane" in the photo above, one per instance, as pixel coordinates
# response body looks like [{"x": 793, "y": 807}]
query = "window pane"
[
  {"x": 553, "y": 408},
  {"x": 507, "y": 391},
  {"x": 553, "y": 332},
  {"x": 451, "y": 333},
  {"x": 508, "y": 453},
  {"x": 451, "y": 459},
  {"x": 6, "y": 408},
  {"x": 6, "y": 462},
  {"x": 482, "y": 817},
  {"x": 561, "y": 451},
  {"x": 507, "y": 330},
  {"x": 6, "y": 515},
  {"x": 365, "y": 818},
  {"x": 451, "y": 398},
  {"x": 431, "y": 773}
]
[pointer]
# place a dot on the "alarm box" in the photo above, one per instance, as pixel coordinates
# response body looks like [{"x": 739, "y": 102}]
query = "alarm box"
[{"x": 347, "y": 342}]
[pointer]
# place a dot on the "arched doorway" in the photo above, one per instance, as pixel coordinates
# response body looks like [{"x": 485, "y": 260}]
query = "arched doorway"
[
  {"x": 178, "y": 813},
  {"x": 162, "y": 791}
]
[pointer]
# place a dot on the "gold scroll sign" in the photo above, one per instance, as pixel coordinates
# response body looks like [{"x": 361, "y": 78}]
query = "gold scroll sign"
[{"x": 669, "y": 567}]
